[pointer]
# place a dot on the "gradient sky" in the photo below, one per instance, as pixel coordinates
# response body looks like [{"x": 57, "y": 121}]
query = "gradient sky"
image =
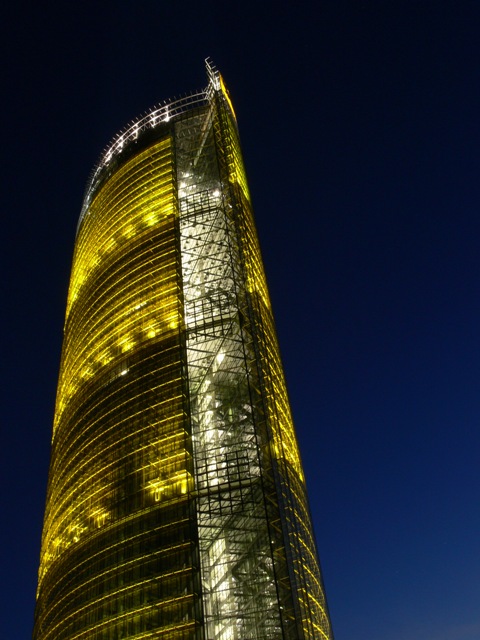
[{"x": 360, "y": 128}]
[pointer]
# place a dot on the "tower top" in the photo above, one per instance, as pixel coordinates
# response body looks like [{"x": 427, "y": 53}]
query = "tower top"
[
  {"x": 212, "y": 73},
  {"x": 154, "y": 117}
]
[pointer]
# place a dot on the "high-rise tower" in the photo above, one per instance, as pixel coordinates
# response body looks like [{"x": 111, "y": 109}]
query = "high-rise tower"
[{"x": 176, "y": 505}]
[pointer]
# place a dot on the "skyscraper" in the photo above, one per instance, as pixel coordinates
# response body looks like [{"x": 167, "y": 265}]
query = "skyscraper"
[{"x": 176, "y": 505}]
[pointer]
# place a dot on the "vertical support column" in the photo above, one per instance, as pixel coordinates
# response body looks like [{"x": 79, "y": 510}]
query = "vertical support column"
[{"x": 239, "y": 592}]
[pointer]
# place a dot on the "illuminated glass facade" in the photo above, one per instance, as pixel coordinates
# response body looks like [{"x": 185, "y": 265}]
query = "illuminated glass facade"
[{"x": 176, "y": 504}]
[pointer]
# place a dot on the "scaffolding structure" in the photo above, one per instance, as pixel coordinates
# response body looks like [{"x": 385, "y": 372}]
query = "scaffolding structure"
[{"x": 176, "y": 504}]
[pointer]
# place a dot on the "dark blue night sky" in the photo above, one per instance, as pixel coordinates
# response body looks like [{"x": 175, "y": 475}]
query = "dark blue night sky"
[{"x": 360, "y": 127}]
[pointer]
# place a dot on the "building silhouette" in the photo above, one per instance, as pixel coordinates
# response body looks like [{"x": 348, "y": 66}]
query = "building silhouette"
[{"x": 176, "y": 505}]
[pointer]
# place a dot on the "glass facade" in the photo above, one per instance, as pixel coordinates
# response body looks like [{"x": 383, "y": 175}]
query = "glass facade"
[{"x": 176, "y": 505}]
